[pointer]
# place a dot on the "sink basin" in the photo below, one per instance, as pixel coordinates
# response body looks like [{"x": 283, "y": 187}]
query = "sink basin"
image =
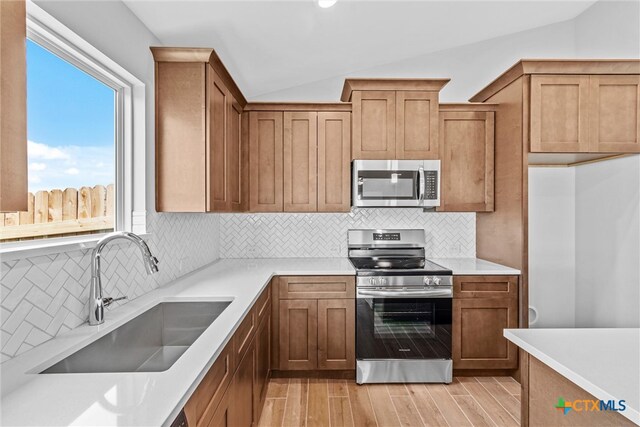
[{"x": 151, "y": 342}]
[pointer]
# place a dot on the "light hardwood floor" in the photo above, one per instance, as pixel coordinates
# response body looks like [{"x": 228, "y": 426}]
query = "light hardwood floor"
[{"x": 471, "y": 401}]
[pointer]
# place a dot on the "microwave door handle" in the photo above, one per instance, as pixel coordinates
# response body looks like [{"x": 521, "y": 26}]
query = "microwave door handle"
[{"x": 421, "y": 184}]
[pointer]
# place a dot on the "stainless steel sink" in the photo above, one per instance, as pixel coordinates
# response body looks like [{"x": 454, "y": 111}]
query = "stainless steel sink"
[{"x": 151, "y": 342}]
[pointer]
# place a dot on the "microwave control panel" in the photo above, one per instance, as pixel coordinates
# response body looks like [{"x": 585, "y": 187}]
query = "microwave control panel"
[{"x": 430, "y": 185}]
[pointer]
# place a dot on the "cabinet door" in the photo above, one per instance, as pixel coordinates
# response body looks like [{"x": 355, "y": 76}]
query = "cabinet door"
[
  {"x": 559, "y": 114},
  {"x": 241, "y": 411},
  {"x": 235, "y": 164},
  {"x": 374, "y": 124},
  {"x": 416, "y": 125},
  {"x": 201, "y": 407},
  {"x": 300, "y": 161},
  {"x": 478, "y": 325},
  {"x": 298, "y": 324},
  {"x": 334, "y": 162},
  {"x": 336, "y": 334},
  {"x": 218, "y": 100},
  {"x": 265, "y": 161},
  {"x": 614, "y": 114},
  {"x": 466, "y": 149},
  {"x": 13, "y": 121},
  {"x": 222, "y": 417},
  {"x": 263, "y": 365}
]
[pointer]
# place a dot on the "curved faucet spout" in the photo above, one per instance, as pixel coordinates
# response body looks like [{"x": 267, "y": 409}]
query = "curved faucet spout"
[{"x": 96, "y": 300}]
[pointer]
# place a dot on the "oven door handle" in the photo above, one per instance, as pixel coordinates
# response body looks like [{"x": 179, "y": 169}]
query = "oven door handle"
[{"x": 430, "y": 293}]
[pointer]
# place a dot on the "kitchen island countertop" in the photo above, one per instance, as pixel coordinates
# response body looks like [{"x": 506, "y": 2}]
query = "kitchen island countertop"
[{"x": 605, "y": 362}]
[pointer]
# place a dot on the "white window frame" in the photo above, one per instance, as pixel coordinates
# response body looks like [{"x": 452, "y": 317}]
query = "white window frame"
[{"x": 130, "y": 209}]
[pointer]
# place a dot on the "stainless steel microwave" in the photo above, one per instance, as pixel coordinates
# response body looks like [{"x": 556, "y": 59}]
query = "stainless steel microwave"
[{"x": 396, "y": 183}]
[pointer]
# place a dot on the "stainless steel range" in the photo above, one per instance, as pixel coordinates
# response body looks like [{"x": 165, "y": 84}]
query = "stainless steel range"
[{"x": 403, "y": 321}]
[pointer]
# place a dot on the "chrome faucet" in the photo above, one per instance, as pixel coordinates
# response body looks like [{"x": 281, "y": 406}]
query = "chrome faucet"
[{"x": 96, "y": 301}]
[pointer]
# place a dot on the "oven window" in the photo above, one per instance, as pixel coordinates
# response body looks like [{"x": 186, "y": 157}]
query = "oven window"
[
  {"x": 406, "y": 319},
  {"x": 377, "y": 185},
  {"x": 398, "y": 328}
]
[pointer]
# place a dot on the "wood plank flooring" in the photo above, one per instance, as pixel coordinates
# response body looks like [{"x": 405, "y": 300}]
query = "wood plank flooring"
[{"x": 468, "y": 401}]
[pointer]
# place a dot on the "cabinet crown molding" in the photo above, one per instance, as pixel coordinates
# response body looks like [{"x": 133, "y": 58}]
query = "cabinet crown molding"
[
  {"x": 298, "y": 106},
  {"x": 430, "y": 85},
  {"x": 468, "y": 106},
  {"x": 204, "y": 55},
  {"x": 557, "y": 66}
]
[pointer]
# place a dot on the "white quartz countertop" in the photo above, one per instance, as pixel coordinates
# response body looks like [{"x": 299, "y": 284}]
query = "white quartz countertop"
[
  {"x": 142, "y": 398},
  {"x": 474, "y": 267},
  {"x": 604, "y": 362},
  {"x": 155, "y": 398}
]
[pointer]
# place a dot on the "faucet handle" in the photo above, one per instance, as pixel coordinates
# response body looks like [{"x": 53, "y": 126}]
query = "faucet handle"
[{"x": 107, "y": 301}]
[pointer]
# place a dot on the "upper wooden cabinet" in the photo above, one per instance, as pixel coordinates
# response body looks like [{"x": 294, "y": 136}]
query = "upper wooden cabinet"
[
  {"x": 585, "y": 113},
  {"x": 334, "y": 161},
  {"x": 559, "y": 113},
  {"x": 374, "y": 124},
  {"x": 265, "y": 161},
  {"x": 394, "y": 118},
  {"x": 13, "y": 104},
  {"x": 467, "y": 157},
  {"x": 199, "y": 156},
  {"x": 576, "y": 106},
  {"x": 416, "y": 125},
  {"x": 300, "y": 161},
  {"x": 299, "y": 157},
  {"x": 614, "y": 114}
]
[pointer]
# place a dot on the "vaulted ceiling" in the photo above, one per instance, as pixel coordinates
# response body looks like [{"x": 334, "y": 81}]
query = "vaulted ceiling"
[{"x": 272, "y": 45}]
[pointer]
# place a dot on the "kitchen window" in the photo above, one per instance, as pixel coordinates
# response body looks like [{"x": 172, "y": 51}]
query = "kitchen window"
[{"x": 81, "y": 107}]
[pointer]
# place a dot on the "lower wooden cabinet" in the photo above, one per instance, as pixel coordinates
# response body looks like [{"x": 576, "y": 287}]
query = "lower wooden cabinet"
[
  {"x": 483, "y": 306},
  {"x": 262, "y": 365},
  {"x": 298, "y": 334},
  {"x": 222, "y": 417},
  {"x": 241, "y": 410},
  {"x": 336, "y": 334},
  {"x": 315, "y": 326},
  {"x": 208, "y": 396},
  {"x": 233, "y": 391}
]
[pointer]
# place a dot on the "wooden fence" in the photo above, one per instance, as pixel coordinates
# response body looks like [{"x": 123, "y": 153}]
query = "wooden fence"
[{"x": 57, "y": 212}]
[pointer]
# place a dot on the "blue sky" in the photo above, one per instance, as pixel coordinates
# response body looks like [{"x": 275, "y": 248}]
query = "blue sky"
[{"x": 70, "y": 124}]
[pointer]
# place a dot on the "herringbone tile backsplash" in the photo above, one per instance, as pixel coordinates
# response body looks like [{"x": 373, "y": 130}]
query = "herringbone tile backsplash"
[
  {"x": 41, "y": 297},
  {"x": 44, "y": 296},
  {"x": 325, "y": 235}
]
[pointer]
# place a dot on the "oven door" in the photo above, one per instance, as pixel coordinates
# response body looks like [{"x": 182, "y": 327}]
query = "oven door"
[{"x": 403, "y": 327}]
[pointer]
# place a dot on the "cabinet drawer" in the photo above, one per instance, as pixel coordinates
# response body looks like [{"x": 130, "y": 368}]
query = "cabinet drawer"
[
  {"x": 202, "y": 405},
  {"x": 243, "y": 335},
  {"x": 263, "y": 304},
  {"x": 316, "y": 287},
  {"x": 485, "y": 286}
]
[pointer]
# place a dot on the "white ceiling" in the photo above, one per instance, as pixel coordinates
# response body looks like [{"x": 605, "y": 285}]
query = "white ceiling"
[{"x": 269, "y": 46}]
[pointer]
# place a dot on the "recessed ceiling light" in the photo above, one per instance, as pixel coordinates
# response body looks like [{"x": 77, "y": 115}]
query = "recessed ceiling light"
[{"x": 325, "y": 4}]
